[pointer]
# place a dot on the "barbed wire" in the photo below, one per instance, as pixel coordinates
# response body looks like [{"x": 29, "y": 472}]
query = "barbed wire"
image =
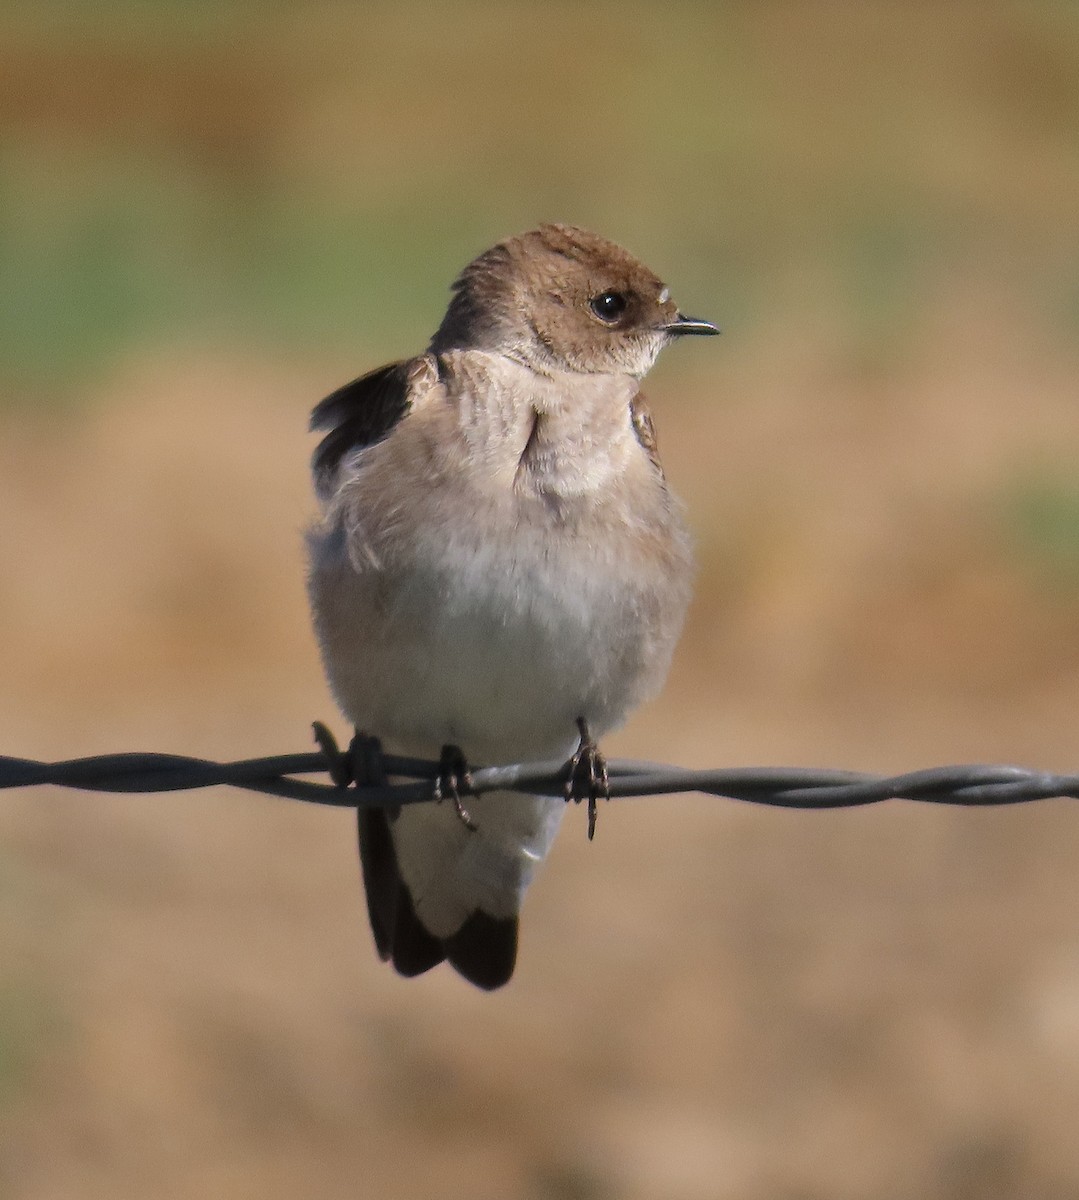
[{"x": 975, "y": 785}]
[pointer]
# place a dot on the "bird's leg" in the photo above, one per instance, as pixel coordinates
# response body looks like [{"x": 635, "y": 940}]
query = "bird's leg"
[
  {"x": 365, "y": 760},
  {"x": 361, "y": 764},
  {"x": 453, "y": 774},
  {"x": 587, "y": 775}
]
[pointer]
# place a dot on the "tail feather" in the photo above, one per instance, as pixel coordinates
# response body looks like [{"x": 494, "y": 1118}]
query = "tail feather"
[
  {"x": 483, "y": 950},
  {"x": 415, "y": 950}
]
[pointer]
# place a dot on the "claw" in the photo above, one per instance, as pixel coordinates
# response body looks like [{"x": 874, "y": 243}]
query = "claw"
[
  {"x": 453, "y": 774},
  {"x": 587, "y": 778}
]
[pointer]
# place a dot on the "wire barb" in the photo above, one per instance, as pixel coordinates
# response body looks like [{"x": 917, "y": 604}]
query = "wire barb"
[{"x": 416, "y": 779}]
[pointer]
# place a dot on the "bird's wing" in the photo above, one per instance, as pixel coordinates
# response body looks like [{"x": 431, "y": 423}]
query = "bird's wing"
[
  {"x": 364, "y": 412},
  {"x": 645, "y": 430}
]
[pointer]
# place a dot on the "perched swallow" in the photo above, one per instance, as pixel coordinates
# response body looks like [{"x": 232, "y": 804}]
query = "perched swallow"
[{"x": 498, "y": 558}]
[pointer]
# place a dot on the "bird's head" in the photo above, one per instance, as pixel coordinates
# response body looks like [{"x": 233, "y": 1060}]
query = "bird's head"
[{"x": 560, "y": 298}]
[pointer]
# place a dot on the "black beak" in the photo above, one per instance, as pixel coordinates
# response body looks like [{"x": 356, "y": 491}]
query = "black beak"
[{"x": 681, "y": 325}]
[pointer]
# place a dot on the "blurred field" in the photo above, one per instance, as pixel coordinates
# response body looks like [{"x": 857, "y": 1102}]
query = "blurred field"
[{"x": 210, "y": 215}]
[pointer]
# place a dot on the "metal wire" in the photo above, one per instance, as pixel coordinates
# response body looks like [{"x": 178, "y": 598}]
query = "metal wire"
[{"x": 783, "y": 787}]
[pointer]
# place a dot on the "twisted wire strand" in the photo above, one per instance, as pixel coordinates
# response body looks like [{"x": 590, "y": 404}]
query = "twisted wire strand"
[{"x": 976, "y": 785}]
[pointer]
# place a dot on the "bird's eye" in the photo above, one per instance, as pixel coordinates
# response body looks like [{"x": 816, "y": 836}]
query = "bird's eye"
[{"x": 608, "y": 306}]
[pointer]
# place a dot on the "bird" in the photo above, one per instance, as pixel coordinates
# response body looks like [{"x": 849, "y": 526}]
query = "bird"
[{"x": 498, "y": 569}]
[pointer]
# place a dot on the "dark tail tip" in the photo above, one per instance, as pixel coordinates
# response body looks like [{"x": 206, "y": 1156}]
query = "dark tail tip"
[{"x": 484, "y": 950}]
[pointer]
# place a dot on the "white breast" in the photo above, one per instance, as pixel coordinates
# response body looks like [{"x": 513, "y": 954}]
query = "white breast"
[{"x": 460, "y": 597}]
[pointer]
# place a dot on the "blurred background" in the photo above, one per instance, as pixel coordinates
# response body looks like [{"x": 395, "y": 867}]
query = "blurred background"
[{"x": 212, "y": 214}]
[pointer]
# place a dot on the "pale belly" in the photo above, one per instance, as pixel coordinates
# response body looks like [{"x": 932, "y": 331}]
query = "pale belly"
[{"x": 487, "y": 648}]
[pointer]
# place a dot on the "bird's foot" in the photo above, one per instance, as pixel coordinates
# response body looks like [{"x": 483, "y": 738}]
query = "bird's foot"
[
  {"x": 587, "y": 775},
  {"x": 365, "y": 760},
  {"x": 453, "y": 776},
  {"x": 360, "y": 764}
]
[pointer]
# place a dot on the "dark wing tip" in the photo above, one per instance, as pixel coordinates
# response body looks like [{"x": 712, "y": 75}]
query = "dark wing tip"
[
  {"x": 398, "y": 933},
  {"x": 484, "y": 950},
  {"x": 380, "y": 877}
]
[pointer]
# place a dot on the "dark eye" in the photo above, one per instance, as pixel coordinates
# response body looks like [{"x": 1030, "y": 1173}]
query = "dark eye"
[{"x": 608, "y": 306}]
